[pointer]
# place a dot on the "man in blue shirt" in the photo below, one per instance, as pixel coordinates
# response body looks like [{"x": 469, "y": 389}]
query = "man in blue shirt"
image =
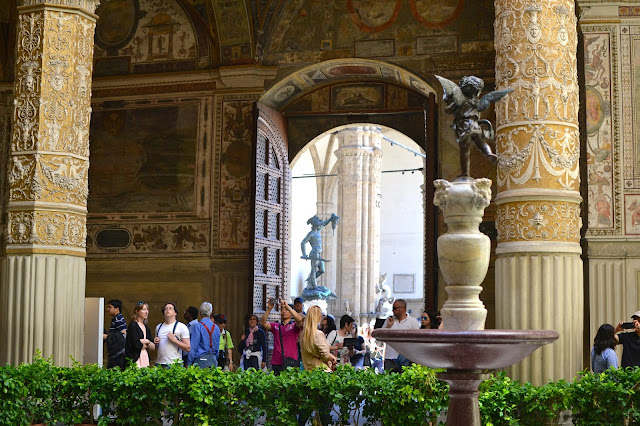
[
  {"x": 205, "y": 340},
  {"x": 191, "y": 318}
]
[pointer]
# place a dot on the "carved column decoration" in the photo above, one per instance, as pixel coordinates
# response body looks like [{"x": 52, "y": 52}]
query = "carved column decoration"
[
  {"x": 538, "y": 267},
  {"x": 359, "y": 174},
  {"x": 48, "y": 181}
]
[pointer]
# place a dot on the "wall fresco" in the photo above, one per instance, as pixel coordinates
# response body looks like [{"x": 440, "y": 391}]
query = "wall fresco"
[
  {"x": 632, "y": 214},
  {"x": 154, "y": 238},
  {"x": 144, "y": 159},
  {"x": 234, "y": 123},
  {"x": 599, "y": 121}
]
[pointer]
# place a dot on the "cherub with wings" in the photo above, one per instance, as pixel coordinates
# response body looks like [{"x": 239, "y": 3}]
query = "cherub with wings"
[{"x": 465, "y": 104}]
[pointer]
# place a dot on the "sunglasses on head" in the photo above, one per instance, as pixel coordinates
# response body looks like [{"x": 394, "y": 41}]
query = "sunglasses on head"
[{"x": 141, "y": 303}]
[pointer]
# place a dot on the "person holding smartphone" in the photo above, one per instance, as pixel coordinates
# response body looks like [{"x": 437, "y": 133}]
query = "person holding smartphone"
[
  {"x": 630, "y": 341},
  {"x": 285, "y": 336}
]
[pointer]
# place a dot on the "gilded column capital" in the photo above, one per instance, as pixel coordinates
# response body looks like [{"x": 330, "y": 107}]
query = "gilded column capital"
[{"x": 87, "y": 5}]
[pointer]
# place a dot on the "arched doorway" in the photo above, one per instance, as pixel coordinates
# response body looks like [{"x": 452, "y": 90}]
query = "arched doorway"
[
  {"x": 381, "y": 233},
  {"x": 336, "y": 93}
]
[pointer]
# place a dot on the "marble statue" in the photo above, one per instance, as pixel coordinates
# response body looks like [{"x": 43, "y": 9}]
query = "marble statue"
[
  {"x": 347, "y": 308},
  {"x": 464, "y": 103},
  {"x": 384, "y": 306},
  {"x": 312, "y": 290}
]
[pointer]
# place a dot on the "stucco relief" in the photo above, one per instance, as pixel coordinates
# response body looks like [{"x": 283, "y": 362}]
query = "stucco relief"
[
  {"x": 48, "y": 160},
  {"x": 529, "y": 149},
  {"x": 47, "y": 228},
  {"x": 613, "y": 249},
  {"x": 539, "y": 221},
  {"x": 602, "y": 140},
  {"x": 52, "y": 178},
  {"x": 233, "y": 168},
  {"x": 537, "y": 133}
]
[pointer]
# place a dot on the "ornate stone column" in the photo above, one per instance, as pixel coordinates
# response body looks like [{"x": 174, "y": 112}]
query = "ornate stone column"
[
  {"x": 358, "y": 264},
  {"x": 538, "y": 266},
  {"x": 43, "y": 271}
]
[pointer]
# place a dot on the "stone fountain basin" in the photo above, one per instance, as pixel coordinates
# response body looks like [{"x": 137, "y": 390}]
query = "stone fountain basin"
[{"x": 466, "y": 350}]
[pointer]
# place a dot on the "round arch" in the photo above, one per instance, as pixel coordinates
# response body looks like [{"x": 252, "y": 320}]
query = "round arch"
[{"x": 302, "y": 81}]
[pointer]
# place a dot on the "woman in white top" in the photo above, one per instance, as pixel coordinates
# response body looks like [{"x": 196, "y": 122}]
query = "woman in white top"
[{"x": 336, "y": 339}]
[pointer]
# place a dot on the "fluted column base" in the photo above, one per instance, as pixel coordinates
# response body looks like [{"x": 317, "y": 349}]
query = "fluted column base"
[
  {"x": 543, "y": 291},
  {"x": 42, "y": 308}
]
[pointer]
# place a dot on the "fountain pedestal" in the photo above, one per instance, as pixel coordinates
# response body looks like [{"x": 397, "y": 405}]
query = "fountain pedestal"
[
  {"x": 464, "y": 348},
  {"x": 463, "y": 395}
]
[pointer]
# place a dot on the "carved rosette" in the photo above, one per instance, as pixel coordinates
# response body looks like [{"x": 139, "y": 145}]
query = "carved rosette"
[
  {"x": 537, "y": 136},
  {"x": 49, "y": 160}
]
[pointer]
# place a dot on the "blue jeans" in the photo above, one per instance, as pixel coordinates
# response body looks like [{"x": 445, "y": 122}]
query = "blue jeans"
[{"x": 206, "y": 361}]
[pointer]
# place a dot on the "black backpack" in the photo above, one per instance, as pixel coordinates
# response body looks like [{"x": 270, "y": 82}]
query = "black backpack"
[{"x": 115, "y": 343}]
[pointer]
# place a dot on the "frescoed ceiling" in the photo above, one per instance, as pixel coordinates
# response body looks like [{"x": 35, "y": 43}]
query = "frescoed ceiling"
[{"x": 140, "y": 36}]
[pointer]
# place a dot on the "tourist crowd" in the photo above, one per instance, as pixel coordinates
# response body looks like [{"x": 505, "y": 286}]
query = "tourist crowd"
[{"x": 203, "y": 341}]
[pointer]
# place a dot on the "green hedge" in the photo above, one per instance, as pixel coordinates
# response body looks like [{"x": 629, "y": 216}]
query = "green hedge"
[{"x": 42, "y": 393}]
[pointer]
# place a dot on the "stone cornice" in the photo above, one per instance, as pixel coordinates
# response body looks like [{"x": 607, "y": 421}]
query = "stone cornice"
[
  {"x": 613, "y": 249},
  {"x": 87, "y": 5}
]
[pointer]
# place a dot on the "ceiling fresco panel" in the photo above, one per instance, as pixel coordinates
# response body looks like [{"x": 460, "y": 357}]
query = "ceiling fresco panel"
[
  {"x": 148, "y": 36},
  {"x": 337, "y": 26},
  {"x": 234, "y": 32}
]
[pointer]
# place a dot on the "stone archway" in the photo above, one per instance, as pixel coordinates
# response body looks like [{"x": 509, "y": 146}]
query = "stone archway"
[
  {"x": 308, "y": 81},
  {"x": 302, "y": 81}
]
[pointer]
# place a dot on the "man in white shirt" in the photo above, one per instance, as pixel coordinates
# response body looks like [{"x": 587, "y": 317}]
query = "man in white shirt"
[
  {"x": 172, "y": 337},
  {"x": 394, "y": 361}
]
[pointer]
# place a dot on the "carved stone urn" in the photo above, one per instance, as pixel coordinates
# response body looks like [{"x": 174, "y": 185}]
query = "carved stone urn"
[{"x": 463, "y": 251}]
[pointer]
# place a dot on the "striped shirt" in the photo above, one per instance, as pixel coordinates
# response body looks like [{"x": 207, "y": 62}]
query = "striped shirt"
[{"x": 117, "y": 323}]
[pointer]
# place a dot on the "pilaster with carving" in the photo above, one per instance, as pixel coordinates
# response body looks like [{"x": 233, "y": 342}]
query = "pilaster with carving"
[{"x": 538, "y": 215}]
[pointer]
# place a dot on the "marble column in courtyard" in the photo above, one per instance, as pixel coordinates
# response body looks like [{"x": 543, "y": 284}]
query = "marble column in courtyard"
[
  {"x": 358, "y": 257},
  {"x": 43, "y": 269},
  {"x": 539, "y": 282}
]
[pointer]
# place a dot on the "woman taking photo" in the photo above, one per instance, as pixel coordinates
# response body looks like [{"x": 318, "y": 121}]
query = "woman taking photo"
[
  {"x": 138, "y": 336},
  {"x": 602, "y": 354}
]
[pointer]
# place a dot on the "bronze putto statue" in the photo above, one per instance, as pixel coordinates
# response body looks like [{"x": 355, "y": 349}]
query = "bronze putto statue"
[{"x": 465, "y": 104}]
